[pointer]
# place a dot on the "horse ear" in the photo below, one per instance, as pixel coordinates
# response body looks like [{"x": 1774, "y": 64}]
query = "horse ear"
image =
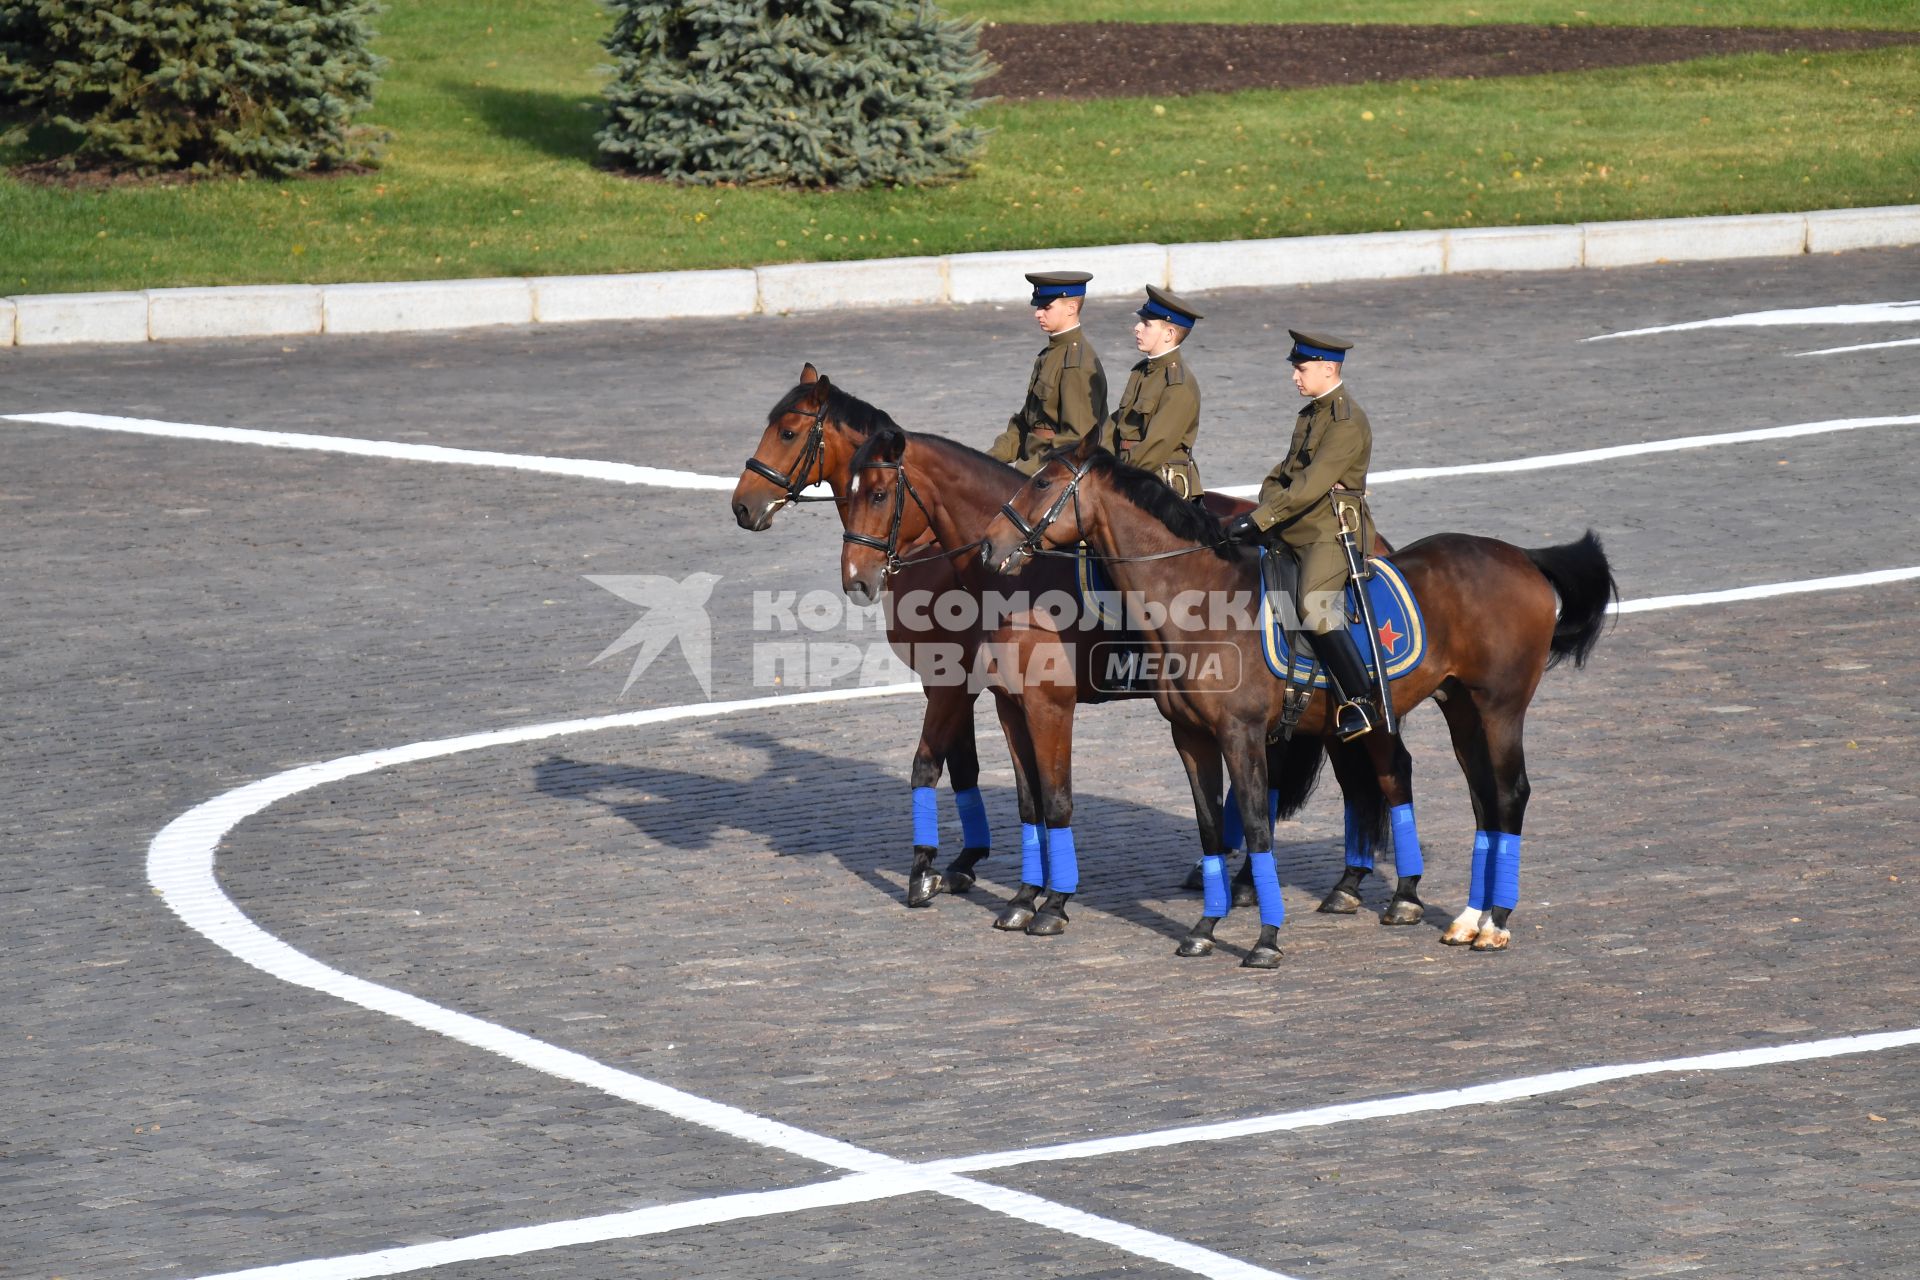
[
  {"x": 1088, "y": 446},
  {"x": 808, "y": 374}
]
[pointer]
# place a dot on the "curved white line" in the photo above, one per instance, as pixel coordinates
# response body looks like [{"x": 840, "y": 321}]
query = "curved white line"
[
  {"x": 1842, "y": 313},
  {"x": 180, "y": 866}
]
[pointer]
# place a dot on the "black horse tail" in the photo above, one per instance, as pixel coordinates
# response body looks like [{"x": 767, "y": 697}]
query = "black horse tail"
[
  {"x": 1293, "y": 770},
  {"x": 1584, "y": 581},
  {"x": 1367, "y": 809}
]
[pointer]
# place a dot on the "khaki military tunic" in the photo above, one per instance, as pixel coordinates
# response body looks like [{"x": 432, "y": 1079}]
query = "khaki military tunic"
[
  {"x": 1331, "y": 446},
  {"x": 1066, "y": 398},
  {"x": 1157, "y": 420}
]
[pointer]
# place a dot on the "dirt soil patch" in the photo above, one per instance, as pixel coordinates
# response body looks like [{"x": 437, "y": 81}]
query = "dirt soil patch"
[{"x": 1124, "y": 59}]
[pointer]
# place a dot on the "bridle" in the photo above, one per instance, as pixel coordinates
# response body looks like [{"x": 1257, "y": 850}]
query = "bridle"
[
  {"x": 890, "y": 545},
  {"x": 1030, "y": 534},
  {"x": 812, "y": 457}
]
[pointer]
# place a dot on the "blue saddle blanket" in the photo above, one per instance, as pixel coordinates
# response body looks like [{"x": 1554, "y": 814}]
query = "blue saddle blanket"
[{"x": 1396, "y": 618}]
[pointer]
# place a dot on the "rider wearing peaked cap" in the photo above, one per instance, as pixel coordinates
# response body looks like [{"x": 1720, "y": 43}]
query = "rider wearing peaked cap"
[
  {"x": 1067, "y": 391},
  {"x": 1323, "y": 471},
  {"x": 1159, "y": 414}
]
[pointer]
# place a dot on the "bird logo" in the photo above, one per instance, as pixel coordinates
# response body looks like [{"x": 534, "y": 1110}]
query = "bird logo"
[{"x": 675, "y": 610}]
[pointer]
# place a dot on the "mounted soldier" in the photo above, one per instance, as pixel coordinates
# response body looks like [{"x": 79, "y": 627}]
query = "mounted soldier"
[
  {"x": 1159, "y": 413},
  {"x": 1317, "y": 491},
  {"x": 1067, "y": 393}
]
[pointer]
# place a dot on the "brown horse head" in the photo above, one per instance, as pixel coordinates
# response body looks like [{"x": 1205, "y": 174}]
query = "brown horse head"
[
  {"x": 792, "y": 453},
  {"x": 1045, "y": 514},
  {"x": 881, "y": 515}
]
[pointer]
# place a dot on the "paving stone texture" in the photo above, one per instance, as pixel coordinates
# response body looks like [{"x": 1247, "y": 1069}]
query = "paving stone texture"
[{"x": 1719, "y": 849}]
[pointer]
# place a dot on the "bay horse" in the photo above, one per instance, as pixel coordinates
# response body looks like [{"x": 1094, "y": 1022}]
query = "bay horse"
[
  {"x": 1496, "y": 617},
  {"x": 811, "y": 435},
  {"x": 1039, "y": 664}
]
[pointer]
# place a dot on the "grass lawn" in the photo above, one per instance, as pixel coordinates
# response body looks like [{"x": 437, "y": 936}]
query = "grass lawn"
[{"x": 493, "y": 105}]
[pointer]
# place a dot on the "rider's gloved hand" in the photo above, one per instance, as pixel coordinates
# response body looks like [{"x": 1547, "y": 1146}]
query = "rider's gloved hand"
[{"x": 1243, "y": 528}]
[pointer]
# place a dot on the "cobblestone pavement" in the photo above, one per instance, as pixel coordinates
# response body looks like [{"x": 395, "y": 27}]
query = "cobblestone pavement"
[{"x": 1718, "y": 853}]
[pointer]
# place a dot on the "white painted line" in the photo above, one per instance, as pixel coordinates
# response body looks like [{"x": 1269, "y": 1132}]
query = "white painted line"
[
  {"x": 1543, "y": 461},
  {"x": 625, "y": 473},
  {"x": 180, "y": 865},
  {"x": 586, "y": 468},
  {"x": 1865, "y": 346},
  {"x": 1765, "y": 590},
  {"x": 1481, "y": 1095},
  {"x": 516, "y": 1241},
  {"x": 1842, "y": 313}
]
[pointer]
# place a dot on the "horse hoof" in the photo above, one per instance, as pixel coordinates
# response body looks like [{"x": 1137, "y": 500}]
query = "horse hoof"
[
  {"x": 1014, "y": 917},
  {"x": 959, "y": 876},
  {"x": 1195, "y": 881},
  {"x": 921, "y": 890},
  {"x": 1460, "y": 935},
  {"x": 1244, "y": 894},
  {"x": 1403, "y": 911},
  {"x": 1191, "y": 947},
  {"x": 1492, "y": 939},
  {"x": 1046, "y": 924},
  {"x": 1262, "y": 958},
  {"x": 1340, "y": 903}
]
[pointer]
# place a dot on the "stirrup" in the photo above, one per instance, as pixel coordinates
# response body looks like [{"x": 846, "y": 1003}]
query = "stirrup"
[{"x": 1362, "y": 712}]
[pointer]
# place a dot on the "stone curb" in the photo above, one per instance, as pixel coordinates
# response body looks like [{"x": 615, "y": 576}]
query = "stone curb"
[{"x": 1119, "y": 270}]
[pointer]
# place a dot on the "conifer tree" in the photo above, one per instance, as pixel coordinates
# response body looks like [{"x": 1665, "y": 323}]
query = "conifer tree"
[
  {"x": 209, "y": 86},
  {"x": 815, "y": 93}
]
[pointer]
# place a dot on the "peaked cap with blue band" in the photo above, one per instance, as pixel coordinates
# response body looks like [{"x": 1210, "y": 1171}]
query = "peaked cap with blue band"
[
  {"x": 1161, "y": 305},
  {"x": 1048, "y": 285},
  {"x": 1308, "y": 346}
]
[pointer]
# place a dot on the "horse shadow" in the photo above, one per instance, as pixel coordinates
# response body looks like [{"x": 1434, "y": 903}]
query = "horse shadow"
[
  {"x": 560, "y": 125},
  {"x": 804, "y": 802}
]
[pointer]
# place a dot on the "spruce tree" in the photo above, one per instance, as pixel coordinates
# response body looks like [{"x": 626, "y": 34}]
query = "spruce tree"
[
  {"x": 208, "y": 86},
  {"x": 814, "y": 93}
]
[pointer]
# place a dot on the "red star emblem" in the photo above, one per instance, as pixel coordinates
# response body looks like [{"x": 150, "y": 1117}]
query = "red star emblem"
[{"x": 1389, "y": 638}]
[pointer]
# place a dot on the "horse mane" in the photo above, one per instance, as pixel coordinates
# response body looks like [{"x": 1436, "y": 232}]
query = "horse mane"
[
  {"x": 1183, "y": 517},
  {"x": 849, "y": 410},
  {"x": 882, "y": 437}
]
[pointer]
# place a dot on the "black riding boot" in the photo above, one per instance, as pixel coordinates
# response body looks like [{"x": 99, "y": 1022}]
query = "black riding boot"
[{"x": 1351, "y": 687}]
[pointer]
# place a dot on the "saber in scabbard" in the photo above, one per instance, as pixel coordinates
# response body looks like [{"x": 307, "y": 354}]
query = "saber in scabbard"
[{"x": 1350, "y": 525}]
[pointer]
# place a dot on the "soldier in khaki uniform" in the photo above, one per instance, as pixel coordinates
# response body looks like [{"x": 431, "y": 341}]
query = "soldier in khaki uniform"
[
  {"x": 1325, "y": 468},
  {"x": 1159, "y": 413},
  {"x": 1067, "y": 394}
]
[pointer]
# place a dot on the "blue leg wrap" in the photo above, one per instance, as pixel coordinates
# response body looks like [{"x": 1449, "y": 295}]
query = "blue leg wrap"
[
  {"x": 974, "y": 831},
  {"x": 926, "y": 816},
  {"x": 1063, "y": 868},
  {"x": 1233, "y": 832},
  {"x": 1359, "y": 851},
  {"x": 1406, "y": 843},
  {"x": 1266, "y": 882},
  {"x": 1482, "y": 871},
  {"x": 1033, "y": 854},
  {"x": 1215, "y": 899},
  {"x": 1506, "y": 870},
  {"x": 1273, "y": 809}
]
